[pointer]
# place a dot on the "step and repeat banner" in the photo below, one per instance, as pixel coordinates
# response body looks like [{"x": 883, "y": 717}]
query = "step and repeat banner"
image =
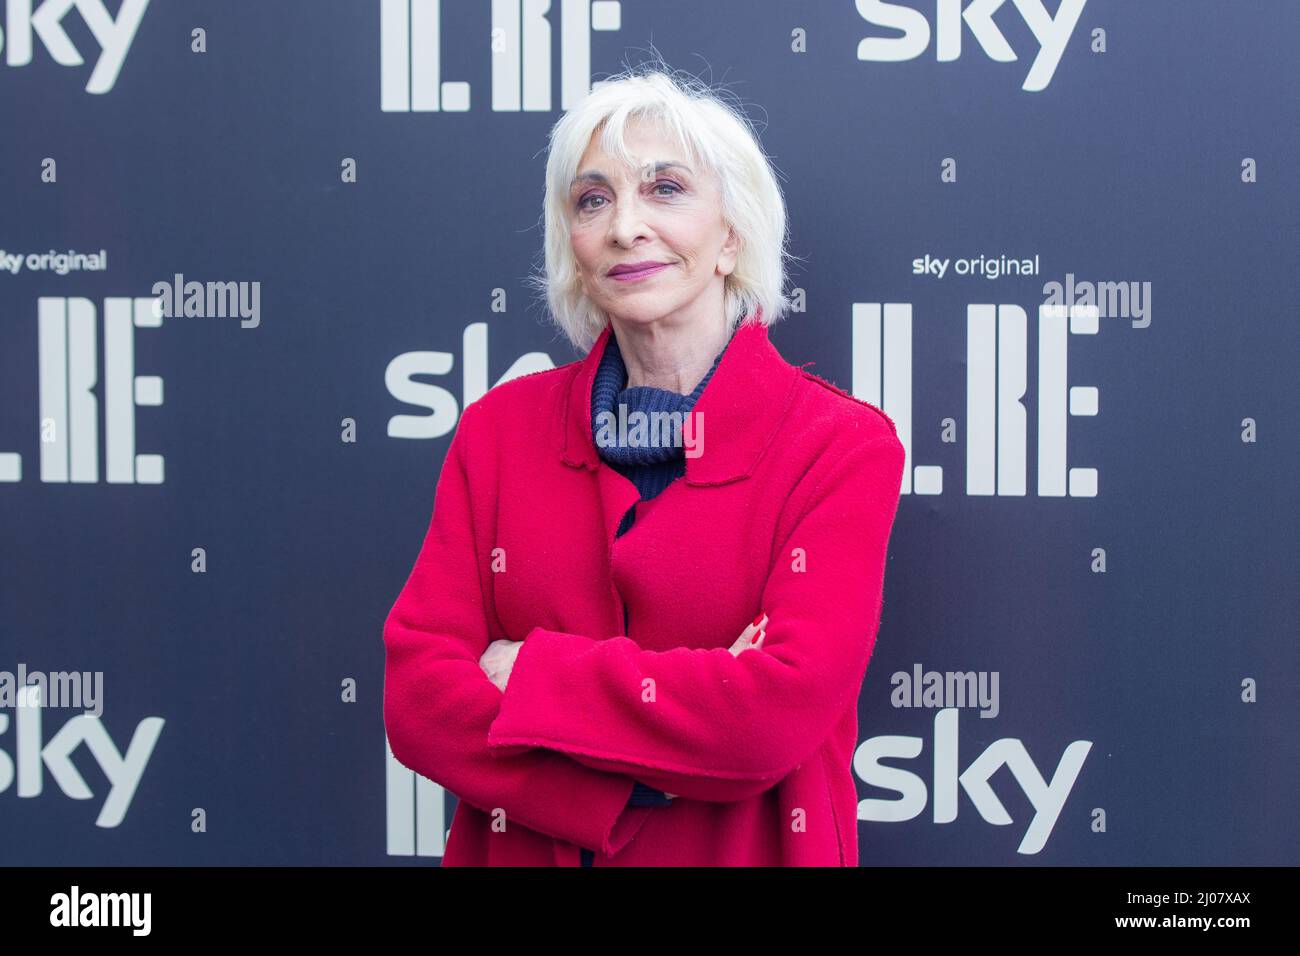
[{"x": 256, "y": 257}]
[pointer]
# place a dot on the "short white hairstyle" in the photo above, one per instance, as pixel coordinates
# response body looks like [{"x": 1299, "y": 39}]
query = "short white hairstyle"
[{"x": 716, "y": 135}]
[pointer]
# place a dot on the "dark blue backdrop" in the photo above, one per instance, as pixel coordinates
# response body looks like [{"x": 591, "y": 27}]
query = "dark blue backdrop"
[{"x": 1159, "y": 153}]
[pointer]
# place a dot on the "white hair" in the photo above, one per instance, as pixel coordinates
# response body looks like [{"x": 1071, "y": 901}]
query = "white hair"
[{"x": 716, "y": 135}]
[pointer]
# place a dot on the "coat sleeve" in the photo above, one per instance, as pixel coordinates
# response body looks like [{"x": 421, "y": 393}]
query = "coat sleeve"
[
  {"x": 702, "y": 723},
  {"x": 439, "y": 704}
]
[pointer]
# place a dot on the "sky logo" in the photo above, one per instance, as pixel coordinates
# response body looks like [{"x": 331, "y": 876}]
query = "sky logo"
[
  {"x": 1046, "y": 796},
  {"x": 33, "y": 755},
  {"x": 44, "y": 22},
  {"x": 951, "y": 19}
]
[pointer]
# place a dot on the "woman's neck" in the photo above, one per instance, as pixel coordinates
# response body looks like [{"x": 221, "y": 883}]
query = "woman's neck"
[{"x": 675, "y": 359}]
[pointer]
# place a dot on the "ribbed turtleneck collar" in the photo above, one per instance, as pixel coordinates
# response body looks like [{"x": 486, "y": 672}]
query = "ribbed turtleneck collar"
[{"x": 608, "y": 392}]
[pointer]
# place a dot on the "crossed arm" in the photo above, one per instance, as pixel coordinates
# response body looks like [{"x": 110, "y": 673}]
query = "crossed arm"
[
  {"x": 706, "y": 724},
  {"x": 439, "y": 705},
  {"x": 560, "y": 751}
]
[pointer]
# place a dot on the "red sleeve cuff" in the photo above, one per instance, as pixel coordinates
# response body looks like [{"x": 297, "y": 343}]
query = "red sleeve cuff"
[{"x": 542, "y": 693}]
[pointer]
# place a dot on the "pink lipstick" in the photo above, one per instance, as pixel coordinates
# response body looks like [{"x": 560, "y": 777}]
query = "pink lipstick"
[{"x": 636, "y": 270}]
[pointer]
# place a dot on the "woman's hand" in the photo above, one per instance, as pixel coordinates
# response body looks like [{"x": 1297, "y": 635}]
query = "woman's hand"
[
  {"x": 499, "y": 660},
  {"x": 751, "y": 638}
]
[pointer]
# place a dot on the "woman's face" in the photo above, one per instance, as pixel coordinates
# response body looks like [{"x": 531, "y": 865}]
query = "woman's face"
[{"x": 665, "y": 211}]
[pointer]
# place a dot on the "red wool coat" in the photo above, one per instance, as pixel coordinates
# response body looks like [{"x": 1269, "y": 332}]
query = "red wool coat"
[{"x": 787, "y": 511}]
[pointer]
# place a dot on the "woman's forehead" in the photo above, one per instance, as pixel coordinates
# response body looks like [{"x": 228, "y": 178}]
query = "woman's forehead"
[{"x": 646, "y": 141}]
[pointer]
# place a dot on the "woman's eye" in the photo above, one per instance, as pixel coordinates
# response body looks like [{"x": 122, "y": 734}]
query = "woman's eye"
[{"x": 583, "y": 203}]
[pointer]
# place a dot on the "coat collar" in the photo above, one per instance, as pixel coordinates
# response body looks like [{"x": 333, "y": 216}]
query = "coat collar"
[{"x": 745, "y": 401}]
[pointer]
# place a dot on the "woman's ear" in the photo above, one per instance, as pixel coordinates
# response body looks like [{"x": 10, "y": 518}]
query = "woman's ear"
[{"x": 729, "y": 252}]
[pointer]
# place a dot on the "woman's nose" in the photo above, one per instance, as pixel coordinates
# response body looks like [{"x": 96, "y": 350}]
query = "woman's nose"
[{"x": 628, "y": 220}]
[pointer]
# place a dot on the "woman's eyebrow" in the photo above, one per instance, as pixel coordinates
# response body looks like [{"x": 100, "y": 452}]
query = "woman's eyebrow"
[{"x": 595, "y": 176}]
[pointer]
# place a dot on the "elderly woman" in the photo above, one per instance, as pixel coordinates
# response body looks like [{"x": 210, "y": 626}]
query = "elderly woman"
[{"x": 624, "y": 645}]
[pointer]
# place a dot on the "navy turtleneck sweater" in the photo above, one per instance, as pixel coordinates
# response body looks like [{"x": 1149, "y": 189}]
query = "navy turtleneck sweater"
[{"x": 651, "y": 468}]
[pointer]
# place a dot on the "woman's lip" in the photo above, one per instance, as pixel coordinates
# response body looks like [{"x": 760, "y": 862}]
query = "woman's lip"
[{"x": 629, "y": 276}]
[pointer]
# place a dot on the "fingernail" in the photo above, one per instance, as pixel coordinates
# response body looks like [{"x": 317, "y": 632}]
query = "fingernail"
[
  {"x": 757, "y": 620},
  {"x": 757, "y": 637}
]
